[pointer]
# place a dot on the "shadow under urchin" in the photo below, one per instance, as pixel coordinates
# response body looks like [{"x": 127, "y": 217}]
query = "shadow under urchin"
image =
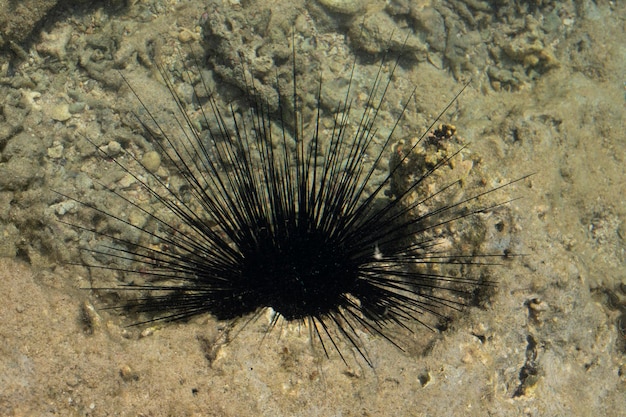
[{"x": 275, "y": 214}]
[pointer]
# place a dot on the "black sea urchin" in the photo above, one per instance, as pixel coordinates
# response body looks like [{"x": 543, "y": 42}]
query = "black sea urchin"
[{"x": 275, "y": 214}]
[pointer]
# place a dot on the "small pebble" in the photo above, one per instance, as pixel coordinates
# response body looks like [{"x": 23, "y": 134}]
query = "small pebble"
[
  {"x": 127, "y": 373},
  {"x": 137, "y": 219},
  {"x": 151, "y": 160},
  {"x": 64, "y": 207},
  {"x": 56, "y": 150},
  {"x": 343, "y": 6},
  {"x": 126, "y": 181},
  {"x": 76, "y": 107},
  {"x": 60, "y": 112},
  {"x": 185, "y": 35},
  {"x": 113, "y": 148},
  {"x": 147, "y": 332}
]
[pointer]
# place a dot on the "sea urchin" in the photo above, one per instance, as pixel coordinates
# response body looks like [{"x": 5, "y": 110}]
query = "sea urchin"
[{"x": 275, "y": 214}]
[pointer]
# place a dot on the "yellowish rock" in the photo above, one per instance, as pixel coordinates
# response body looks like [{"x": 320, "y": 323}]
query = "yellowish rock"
[
  {"x": 60, "y": 112},
  {"x": 344, "y": 6}
]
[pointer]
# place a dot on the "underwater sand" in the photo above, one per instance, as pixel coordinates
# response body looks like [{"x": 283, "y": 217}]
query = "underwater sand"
[{"x": 547, "y": 96}]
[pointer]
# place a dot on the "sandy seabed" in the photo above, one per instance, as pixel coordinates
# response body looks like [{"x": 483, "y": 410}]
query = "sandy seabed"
[{"x": 550, "y": 341}]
